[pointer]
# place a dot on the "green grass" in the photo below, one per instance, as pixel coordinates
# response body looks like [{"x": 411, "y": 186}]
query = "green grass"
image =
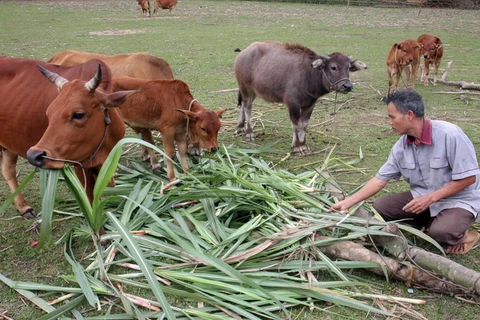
[{"x": 198, "y": 40}]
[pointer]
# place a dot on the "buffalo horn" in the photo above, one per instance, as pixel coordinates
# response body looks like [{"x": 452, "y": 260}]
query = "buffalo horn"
[
  {"x": 54, "y": 78},
  {"x": 93, "y": 83}
]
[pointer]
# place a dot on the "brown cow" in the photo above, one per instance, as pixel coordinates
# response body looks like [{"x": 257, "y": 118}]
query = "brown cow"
[
  {"x": 145, "y": 5},
  {"x": 69, "y": 125},
  {"x": 164, "y": 4},
  {"x": 292, "y": 74},
  {"x": 137, "y": 65},
  {"x": 401, "y": 57},
  {"x": 169, "y": 107},
  {"x": 432, "y": 51}
]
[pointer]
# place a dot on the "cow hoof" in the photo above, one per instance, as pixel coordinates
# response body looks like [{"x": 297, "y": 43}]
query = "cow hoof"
[
  {"x": 194, "y": 150},
  {"x": 250, "y": 137},
  {"x": 29, "y": 214}
]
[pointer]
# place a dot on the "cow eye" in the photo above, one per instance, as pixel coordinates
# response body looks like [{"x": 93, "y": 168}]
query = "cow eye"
[
  {"x": 78, "y": 116},
  {"x": 334, "y": 68}
]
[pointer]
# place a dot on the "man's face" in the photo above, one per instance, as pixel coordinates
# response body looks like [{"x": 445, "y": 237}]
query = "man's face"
[{"x": 397, "y": 120}]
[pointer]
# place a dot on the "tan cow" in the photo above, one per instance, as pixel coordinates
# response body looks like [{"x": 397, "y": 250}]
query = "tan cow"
[
  {"x": 78, "y": 124},
  {"x": 137, "y": 65},
  {"x": 432, "y": 51},
  {"x": 401, "y": 57},
  {"x": 169, "y": 107},
  {"x": 164, "y": 4}
]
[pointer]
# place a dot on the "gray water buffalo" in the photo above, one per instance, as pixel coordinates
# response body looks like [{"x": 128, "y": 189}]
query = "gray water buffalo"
[{"x": 291, "y": 74}]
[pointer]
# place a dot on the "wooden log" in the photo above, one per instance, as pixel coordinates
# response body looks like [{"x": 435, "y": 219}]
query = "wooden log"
[
  {"x": 352, "y": 251},
  {"x": 437, "y": 264}
]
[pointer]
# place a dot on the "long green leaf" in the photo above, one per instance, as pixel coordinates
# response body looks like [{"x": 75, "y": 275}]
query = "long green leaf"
[
  {"x": 48, "y": 183},
  {"x": 144, "y": 265}
]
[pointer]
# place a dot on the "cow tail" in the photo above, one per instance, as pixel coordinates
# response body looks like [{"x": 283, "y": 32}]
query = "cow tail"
[{"x": 239, "y": 104}]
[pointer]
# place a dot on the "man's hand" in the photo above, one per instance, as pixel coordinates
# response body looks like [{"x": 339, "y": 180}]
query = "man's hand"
[
  {"x": 419, "y": 204},
  {"x": 341, "y": 206}
]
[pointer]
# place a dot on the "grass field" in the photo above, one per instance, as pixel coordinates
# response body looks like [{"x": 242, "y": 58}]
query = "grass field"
[{"x": 198, "y": 40}]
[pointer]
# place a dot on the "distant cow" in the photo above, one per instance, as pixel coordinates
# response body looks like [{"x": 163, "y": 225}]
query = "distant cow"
[
  {"x": 292, "y": 74},
  {"x": 164, "y": 4},
  {"x": 169, "y": 107},
  {"x": 401, "y": 57},
  {"x": 138, "y": 65},
  {"x": 432, "y": 51},
  {"x": 78, "y": 124},
  {"x": 145, "y": 5}
]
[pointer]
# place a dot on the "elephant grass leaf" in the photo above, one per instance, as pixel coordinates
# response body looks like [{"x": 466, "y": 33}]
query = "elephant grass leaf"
[
  {"x": 48, "y": 189},
  {"x": 145, "y": 266}
]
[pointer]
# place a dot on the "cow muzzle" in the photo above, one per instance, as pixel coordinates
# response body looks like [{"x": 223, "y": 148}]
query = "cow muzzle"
[{"x": 36, "y": 157}]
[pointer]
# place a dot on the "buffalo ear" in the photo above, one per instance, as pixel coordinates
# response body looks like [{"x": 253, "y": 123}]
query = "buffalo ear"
[
  {"x": 320, "y": 62},
  {"x": 357, "y": 65}
]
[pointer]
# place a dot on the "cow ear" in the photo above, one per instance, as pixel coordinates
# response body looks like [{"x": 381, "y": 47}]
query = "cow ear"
[
  {"x": 357, "y": 65},
  {"x": 220, "y": 112},
  {"x": 117, "y": 98},
  {"x": 190, "y": 114},
  {"x": 320, "y": 63}
]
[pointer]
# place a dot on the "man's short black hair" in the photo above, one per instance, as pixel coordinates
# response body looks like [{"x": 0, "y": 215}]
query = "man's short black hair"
[{"x": 406, "y": 100}]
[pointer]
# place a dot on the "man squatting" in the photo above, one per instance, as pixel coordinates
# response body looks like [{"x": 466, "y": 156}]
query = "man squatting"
[{"x": 439, "y": 163}]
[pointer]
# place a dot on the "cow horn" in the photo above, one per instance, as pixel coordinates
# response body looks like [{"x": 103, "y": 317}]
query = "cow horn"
[
  {"x": 93, "y": 83},
  {"x": 54, "y": 78}
]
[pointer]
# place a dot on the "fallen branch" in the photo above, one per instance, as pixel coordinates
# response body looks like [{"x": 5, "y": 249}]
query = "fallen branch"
[
  {"x": 440, "y": 265},
  {"x": 352, "y": 251},
  {"x": 449, "y": 65},
  {"x": 462, "y": 84}
]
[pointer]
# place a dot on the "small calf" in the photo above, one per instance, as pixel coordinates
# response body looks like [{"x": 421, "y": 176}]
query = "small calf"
[
  {"x": 400, "y": 58},
  {"x": 432, "y": 51},
  {"x": 169, "y": 107},
  {"x": 145, "y": 5}
]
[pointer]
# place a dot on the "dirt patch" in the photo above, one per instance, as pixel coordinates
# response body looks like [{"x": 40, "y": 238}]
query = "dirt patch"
[{"x": 117, "y": 32}]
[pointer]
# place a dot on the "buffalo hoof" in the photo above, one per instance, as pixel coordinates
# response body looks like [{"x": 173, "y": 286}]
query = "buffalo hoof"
[
  {"x": 239, "y": 132},
  {"x": 29, "y": 214},
  {"x": 250, "y": 136},
  {"x": 301, "y": 151}
]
